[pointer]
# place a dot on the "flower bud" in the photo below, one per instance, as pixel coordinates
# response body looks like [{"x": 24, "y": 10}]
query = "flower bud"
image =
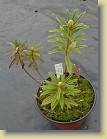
[
  {"x": 31, "y": 48},
  {"x": 60, "y": 84},
  {"x": 17, "y": 49},
  {"x": 70, "y": 23}
]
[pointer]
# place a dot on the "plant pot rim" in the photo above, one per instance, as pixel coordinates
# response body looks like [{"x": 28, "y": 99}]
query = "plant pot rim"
[{"x": 74, "y": 121}]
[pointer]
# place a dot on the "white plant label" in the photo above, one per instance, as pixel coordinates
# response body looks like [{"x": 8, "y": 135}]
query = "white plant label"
[{"x": 59, "y": 69}]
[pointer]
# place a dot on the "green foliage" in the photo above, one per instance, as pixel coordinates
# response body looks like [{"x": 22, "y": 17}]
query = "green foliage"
[
  {"x": 23, "y": 51},
  {"x": 71, "y": 106},
  {"x": 65, "y": 36},
  {"x": 57, "y": 91},
  {"x": 69, "y": 64},
  {"x": 17, "y": 54},
  {"x": 68, "y": 97},
  {"x": 33, "y": 55},
  {"x": 61, "y": 33}
]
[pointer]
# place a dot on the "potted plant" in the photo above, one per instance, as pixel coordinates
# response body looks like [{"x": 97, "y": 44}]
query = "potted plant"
[{"x": 65, "y": 98}]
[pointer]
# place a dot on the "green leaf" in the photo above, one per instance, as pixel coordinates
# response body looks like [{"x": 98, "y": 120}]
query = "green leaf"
[
  {"x": 63, "y": 29},
  {"x": 63, "y": 78},
  {"x": 59, "y": 93},
  {"x": 45, "y": 93},
  {"x": 47, "y": 100},
  {"x": 80, "y": 16},
  {"x": 67, "y": 103},
  {"x": 81, "y": 46},
  {"x": 68, "y": 64},
  {"x": 55, "y": 51},
  {"x": 72, "y": 91},
  {"x": 54, "y": 102},
  {"x": 53, "y": 77},
  {"x": 75, "y": 14},
  {"x": 68, "y": 15},
  {"x": 48, "y": 87},
  {"x": 79, "y": 37},
  {"x": 69, "y": 86},
  {"x": 30, "y": 65},
  {"x": 73, "y": 44},
  {"x": 11, "y": 44},
  {"x": 77, "y": 27},
  {"x": 77, "y": 50},
  {"x": 70, "y": 102},
  {"x": 68, "y": 78},
  {"x": 55, "y": 30},
  {"x": 71, "y": 81},
  {"x": 60, "y": 20},
  {"x": 62, "y": 102},
  {"x": 35, "y": 65},
  {"x": 57, "y": 41},
  {"x": 49, "y": 82}
]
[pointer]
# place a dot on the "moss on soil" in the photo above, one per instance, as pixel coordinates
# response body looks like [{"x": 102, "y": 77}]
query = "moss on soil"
[{"x": 84, "y": 99}]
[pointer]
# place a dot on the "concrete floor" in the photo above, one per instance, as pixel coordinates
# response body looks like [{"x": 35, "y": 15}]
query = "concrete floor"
[{"x": 31, "y": 20}]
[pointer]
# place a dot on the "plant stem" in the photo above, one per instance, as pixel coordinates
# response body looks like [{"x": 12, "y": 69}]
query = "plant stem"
[
  {"x": 67, "y": 46},
  {"x": 31, "y": 76},
  {"x": 40, "y": 74},
  {"x": 37, "y": 67}
]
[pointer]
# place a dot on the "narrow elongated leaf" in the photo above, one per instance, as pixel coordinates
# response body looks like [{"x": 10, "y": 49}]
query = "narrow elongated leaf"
[
  {"x": 73, "y": 44},
  {"x": 77, "y": 50},
  {"x": 79, "y": 37},
  {"x": 71, "y": 81},
  {"x": 67, "y": 103},
  {"x": 72, "y": 92},
  {"x": 11, "y": 44},
  {"x": 68, "y": 64},
  {"x": 75, "y": 14},
  {"x": 60, "y": 20},
  {"x": 74, "y": 30},
  {"x": 80, "y": 16},
  {"x": 81, "y": 46},
  {"x": 48, "y": 87},
  {"x": 54, "y": 102},
  {"x": 55, "y": 30},
  {"x": 69, "y": 86},
  {"x": 62, "y": 102},
  {"x": 47, "y": 100},
  {"x": 63, "y": 29},
  {"x": 68, "y": 15},
  {"x": 53, "y": 77},
  {"x": 59, "y": 93},
  {"x": 68, "y": 78},
  {"x": 44, "y": 93},
  {"x": 60, "y": 42},
  {"x": 70, "y": 102},
  {"x": 30, "y": 65},
  {"x": 63, "y": 78},
  {"x": 56, "y": 51},
  {"x": 50, "y": 83}
]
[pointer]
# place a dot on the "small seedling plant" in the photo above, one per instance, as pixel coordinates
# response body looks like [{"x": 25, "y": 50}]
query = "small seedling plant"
[{"x": 70, "y": 96}]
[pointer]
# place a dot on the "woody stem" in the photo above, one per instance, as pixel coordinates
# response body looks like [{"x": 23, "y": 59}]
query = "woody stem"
[
  {"x": 40, "y": 74},
  {"x": 67, "y": 46},
  {"x": 31, "y": 76}
]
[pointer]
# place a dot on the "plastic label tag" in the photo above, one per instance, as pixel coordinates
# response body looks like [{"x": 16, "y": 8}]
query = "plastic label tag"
[{"x": 59, "y": 69}]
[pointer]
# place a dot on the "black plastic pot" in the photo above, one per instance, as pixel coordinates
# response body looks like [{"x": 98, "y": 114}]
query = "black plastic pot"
[{"x": 72, "y": 125}]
